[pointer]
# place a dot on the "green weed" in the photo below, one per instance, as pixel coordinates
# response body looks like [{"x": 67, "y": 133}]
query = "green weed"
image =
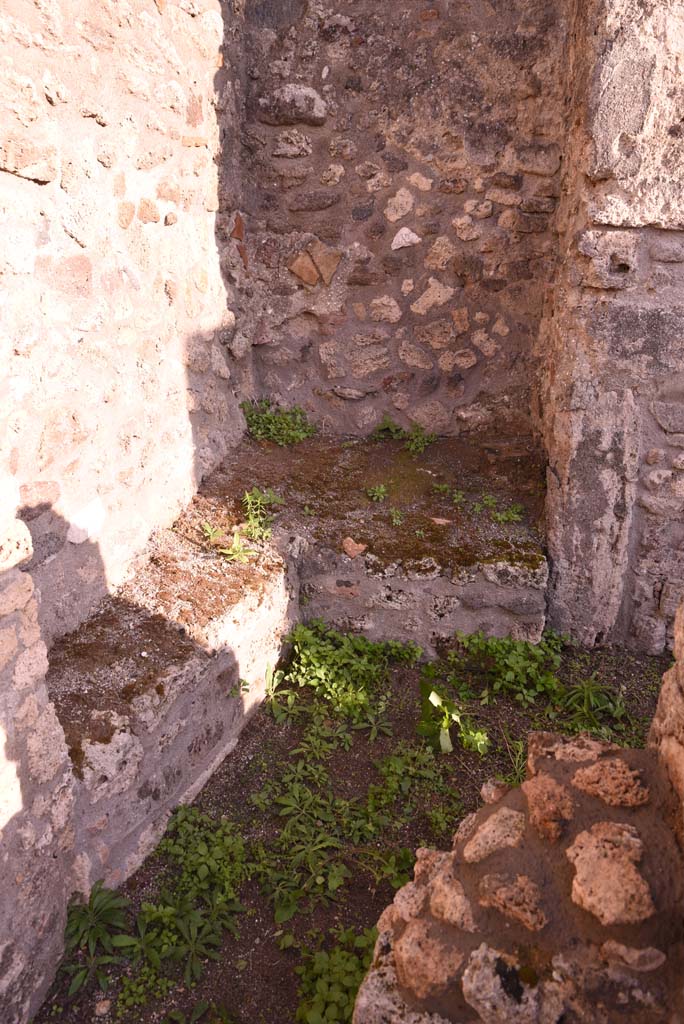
[
  {"x": 523, "y": 670},
  {"x": 331, "y": 978},
  {"x": 238, "y": 550},
  {"x": 590, "y": 706},
  {"x": 266, "y": 422},
  {"x": 388, "y": 430},
  {"x": 417, "y": 440},
  {"x": 439, "y": 714},
  {"x": 378, "y": 493},
  {"x": 257, "y": 504},
  {"x": 516, "y": 751}
]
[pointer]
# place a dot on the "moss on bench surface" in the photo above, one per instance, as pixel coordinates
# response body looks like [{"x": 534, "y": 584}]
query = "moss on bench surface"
[{"x": 441, "y": 507}]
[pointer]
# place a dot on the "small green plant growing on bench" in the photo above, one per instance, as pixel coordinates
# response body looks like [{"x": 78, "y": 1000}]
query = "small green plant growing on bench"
[
  {"x": 378, "y": 493},
  {"x": 417, "y": 440},
  {"x": 256, "y": 504},
  {"x": 388, "y": 430},
  {"x": 266, "y": 422},
  {"x": 238, "y": 550},
  {"x": 212, "y": 533},
  {"x": 512, "y": 514}
]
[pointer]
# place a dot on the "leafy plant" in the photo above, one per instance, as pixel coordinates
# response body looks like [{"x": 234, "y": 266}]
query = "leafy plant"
[
  {"x": 94, "y": 923},
  {"x": 442, "y": 489},
  {"x": 90, "y": 966},
  {"x": 256, "y": 504},
  {"x": 238, "y": 550},
  {"x": 524, "y": 670},
  {"x": 200, "y": 940},
  {"x": 331, "y": 978},
  {"x": 439, "y": 714},
  {"x": 210, "y": 854},
  {"x": 242, "y": 686},
  {"x": 344, "y": 670},
  {"x": 587, "y": 705},
  {"x": 387, "y": 429},
  {"x": 396, "y": 516},
  {"x": 417, "y": 440},
  {"x": 266, "y": 422},
  {"x": 145, "y": 945},
  {"x": 513, "y": 514},
  {"x": 378, "y": 493},
  {"x": 137, "y": 990},
  {"x": 212, "y": 533}
]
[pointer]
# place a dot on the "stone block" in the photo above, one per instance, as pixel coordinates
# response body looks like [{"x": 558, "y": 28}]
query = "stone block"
[
  {"x": 293, "y": 104},
  {"x": 327, "y": 260},
  {"x": 29, "y": 158}
]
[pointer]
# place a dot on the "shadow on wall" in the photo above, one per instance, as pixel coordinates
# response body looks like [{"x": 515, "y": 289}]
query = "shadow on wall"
[
  {"x": 85, "y": 783},
  {"x": 88, "y": 771},
  {"x": 131, "y": 718}
]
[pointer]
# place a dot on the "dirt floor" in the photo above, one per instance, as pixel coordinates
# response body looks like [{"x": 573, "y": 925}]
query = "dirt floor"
[
  {"x": 255, "y": 981},
  {"x": 457, "y": 503}
]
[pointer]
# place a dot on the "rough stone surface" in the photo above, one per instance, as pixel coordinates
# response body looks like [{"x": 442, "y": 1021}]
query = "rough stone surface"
[
  {"x": 614, "y": 782},
  {"x": 388, "y": 583},
  {"x": 667, "y": 730},
  {"x": 549, "y": 805},
  {"x": 503, "y": 829},
  {"x": 353, "y": 138},
  {"x": 111, "y": 311},
  {"x": 134, "y": 712},
  {"x": 424, "y": 966},
  {"x": 516, "y": 898},
  {"x": 578, "y": 921},
  {"x": 460, "y": 219},
  {"x": 609, "y": 344},
  {"x": 607, "y": 882}
]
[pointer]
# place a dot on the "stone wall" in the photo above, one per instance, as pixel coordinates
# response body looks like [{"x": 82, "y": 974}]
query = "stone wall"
[
  {"x": 612, "y": 400},
  {"x": 116, "y": 394},
  {"x": 36, "y": 795},
  {"x": 401, "y": 175}
]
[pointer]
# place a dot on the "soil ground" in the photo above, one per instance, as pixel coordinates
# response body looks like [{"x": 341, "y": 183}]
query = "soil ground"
[{"x": 255, "y": 981}]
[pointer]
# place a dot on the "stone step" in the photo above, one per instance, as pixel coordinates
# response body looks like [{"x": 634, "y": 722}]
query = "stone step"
[
  {"x": 427, "y": 560},
  {"x": 153, "y": 690}
]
